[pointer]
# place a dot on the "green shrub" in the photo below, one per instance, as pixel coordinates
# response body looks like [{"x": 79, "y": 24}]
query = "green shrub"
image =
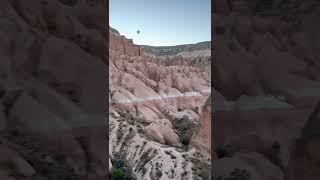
[{"x": 117, "y": 174}]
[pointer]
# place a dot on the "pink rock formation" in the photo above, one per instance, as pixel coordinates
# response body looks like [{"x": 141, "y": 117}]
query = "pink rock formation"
[
  {"x": 202, "y": 137},
  {"x": 120, "y": 43},
  {"x": 154, "y": 104},
  {"x": 162, "y": 134}
]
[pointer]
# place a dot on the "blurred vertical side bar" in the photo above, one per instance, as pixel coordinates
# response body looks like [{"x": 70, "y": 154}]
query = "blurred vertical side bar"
[
  {"x": 106, "y": 3},
  {"x": 266, "y": 85},
  {"x": 53, "y": 89}
]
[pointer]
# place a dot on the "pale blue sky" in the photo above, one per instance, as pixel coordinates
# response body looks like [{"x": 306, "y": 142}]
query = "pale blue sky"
[{"x": 162, "y": 22}]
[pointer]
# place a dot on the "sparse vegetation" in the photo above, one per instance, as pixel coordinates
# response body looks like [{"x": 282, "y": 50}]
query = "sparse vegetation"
[
  {"x": 185, "y": 128},
  {"x": 158, "y": 173},
  {"x": 121, "y": 169},
  {"x": 117, "y": 174},
  {"x": 201, "y": 169}
]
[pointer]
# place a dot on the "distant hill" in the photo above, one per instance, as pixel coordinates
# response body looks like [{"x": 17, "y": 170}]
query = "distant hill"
[{"x": 203, "y": 48}]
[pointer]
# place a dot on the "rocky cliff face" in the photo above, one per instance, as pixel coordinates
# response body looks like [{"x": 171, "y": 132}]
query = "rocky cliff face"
[
  {"x": 202, "y": 136},
  {"x": 52, "y": 85},
  {"x": 267, "y": 82},
  {"x": 195, "y": 55},
  {"x": 121, "y": 43},
  {"x": 154, "y": 112}
]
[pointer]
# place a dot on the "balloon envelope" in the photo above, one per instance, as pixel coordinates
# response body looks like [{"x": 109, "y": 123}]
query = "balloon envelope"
[{"x": 138, "y": 32}]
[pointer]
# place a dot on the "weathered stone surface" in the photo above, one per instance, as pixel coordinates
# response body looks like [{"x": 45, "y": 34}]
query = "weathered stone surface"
[
  {"x": 163, "y": 134},
  {"x": 202, "y": 136},
  {"x": 159, "y": 103}
]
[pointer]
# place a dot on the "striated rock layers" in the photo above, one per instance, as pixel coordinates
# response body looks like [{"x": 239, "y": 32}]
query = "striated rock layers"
[
  {"x": 121, "y": 43},
  {"x": 155, "y": 110}
]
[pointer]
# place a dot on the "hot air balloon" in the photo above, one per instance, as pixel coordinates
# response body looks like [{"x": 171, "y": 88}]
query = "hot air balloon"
[{"x": 138, "y": 32}]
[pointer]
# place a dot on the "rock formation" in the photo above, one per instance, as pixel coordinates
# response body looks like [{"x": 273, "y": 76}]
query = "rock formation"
[
  {"x": 121, "y": 43},
  {"x": 155, "y": 110},
  {"x": 202, "y": 137}
]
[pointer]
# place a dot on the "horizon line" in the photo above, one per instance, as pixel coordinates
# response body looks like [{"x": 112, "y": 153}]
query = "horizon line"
[
  {"x": 173, "y": 45},
  {"x": 192, "y": 43}
]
